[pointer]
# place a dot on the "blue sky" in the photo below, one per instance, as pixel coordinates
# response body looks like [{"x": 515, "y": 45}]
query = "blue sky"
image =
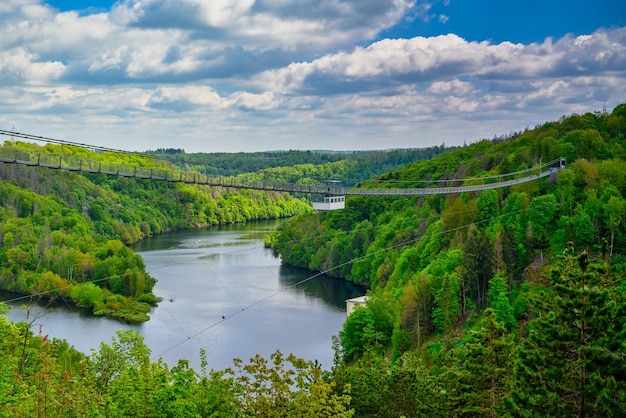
[
  {"x": 249, "y": 75},
  {"x": 514, "y": 21}
]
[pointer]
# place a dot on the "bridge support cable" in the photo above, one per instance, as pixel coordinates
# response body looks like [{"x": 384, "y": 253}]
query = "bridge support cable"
[{"x": 39, "y": 159}]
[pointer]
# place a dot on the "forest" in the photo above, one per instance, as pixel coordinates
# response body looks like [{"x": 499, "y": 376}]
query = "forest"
[
  {"x": 503, "y": 302},
  {"x": 508, "y": 302},
  {"x": 359, "y": 165},
  {"x": 66, "y": 235}
]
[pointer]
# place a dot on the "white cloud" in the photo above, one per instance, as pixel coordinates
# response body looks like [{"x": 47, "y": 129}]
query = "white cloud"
[
  {"x": 194, "y": 95},
  {"x": 245, "y": 100},
  {"x": 20, "y": 66},
  {"x": 446, "y": 58},
  {"x": 265, "y": 70},
  {"x": 308, "y": 24},
  {"x": 454, "y": 87}
]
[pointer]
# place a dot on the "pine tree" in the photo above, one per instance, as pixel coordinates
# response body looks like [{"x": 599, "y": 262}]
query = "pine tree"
[
  {"x": 487, "y": 367},
  {"x": 572, "y": 362},
  {"x": 477, "y": 267},
  {"x": 446, "y": 313},
  {"x": 499, "y": 301}
]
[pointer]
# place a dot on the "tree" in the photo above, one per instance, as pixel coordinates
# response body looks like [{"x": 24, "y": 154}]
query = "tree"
[
  {"x": 459, "y": 214},
  {"x": 488, "y": 206},
  {"x": 447, "y": 306},
  {"x": 584, "y": 231},
  {"x": 417, "y": 305},
  {"x": 87, "y": 294},
  {"x": 510, "y": 251},
  {"x": 127, "y": 379},
  {"x": 499, "y": 301},
  {"x": 541, "y": 212},
  {"x": 615, "y": 210},
  {"x": 11, "y": 391},
  {"x": 476, "y": 268},
  {"x": 572, "y": 361},
  {"x": 287, "y": 387},
  {"x": 382, "y": 389},
  {"x": 479, "y": 379},
  {"x": 357, "y": 333}
]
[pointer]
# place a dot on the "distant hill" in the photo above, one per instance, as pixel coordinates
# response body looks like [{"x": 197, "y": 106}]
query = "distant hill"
[{"x": 363, "y": 164}]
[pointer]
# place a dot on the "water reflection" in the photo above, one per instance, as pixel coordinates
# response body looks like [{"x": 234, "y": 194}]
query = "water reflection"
[
  {"x": 331, "y": 290},
  {"x": 217, "y": 272}
]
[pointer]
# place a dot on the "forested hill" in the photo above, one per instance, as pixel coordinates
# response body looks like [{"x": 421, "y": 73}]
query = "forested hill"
[
  {"x": 324, "y": 164},
  {"x": 509, "y": 301},
  {"x": 504, "y": 303},
  {"x": 65, "y": 234}
]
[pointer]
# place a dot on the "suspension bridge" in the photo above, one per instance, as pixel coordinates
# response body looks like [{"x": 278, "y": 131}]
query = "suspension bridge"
[{"x": 332, "y": 190}]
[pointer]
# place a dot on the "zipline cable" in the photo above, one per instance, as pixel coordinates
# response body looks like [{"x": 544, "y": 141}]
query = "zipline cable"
[{"x": 261, "y": 300}]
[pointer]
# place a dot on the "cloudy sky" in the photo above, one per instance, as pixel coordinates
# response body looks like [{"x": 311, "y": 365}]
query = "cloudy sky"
[{"x": 254, "y": 75}]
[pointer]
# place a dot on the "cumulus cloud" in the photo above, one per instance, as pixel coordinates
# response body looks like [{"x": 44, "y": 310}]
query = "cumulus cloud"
[
  {"x": 286, "y": 24},
  {"x": 186, "y": 95},
  {"x": 21, "y": 67},
  {"x": 422, "y": 60},
  {"x": 454, "y": 87},
  {"x": 266, "y": 69}
]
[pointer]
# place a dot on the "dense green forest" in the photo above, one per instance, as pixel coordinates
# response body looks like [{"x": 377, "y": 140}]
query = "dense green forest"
[
  {"x": 503, "y": 302},
  {"x": 509, "y": 302},
  {"x": 354, "y": 165},
  {"x": 65, "y": 234}
]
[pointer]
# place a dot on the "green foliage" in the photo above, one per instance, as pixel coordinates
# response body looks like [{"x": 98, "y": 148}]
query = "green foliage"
[
  {"x": 551, "y": 340},
  {"x": 61, "y": 231},
  {"x": 540, "y": 213},
  {"x": 287, "y": 387},
  {"x": 415, "y": 322},
  {"x": 120, "y": 380},
  {"x": 476, "y": 269},
  {"x": 382, "y": 389},
  {"x": 445, "y": 258},
  {"x": 480, "y": 382},
  {"x": 358, "y": 333},
  {"x": 447, "y": 310},
  {"x": 488, "y": 206},
  {"x": 87, "y": 295},
  {"x": 369, "y": 327},
  {"x": 499, "y": 301},
  {"x": 572, "y": 362},
  {"x": 328, "y": 164}
]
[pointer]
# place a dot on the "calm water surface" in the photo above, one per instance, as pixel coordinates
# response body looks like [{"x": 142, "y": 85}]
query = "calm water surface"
[{"x": 223, "y": 292}]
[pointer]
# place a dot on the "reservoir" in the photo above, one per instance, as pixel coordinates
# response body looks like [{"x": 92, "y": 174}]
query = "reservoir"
[{"x": 222, "y": 292}]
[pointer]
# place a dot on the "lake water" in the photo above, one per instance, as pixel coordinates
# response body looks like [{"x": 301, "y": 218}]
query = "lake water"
[{"x": 223, "y": 292}]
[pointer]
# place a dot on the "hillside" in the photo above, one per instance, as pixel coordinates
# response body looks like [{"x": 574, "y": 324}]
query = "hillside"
[
  {"x": 324, "y": 164},
  {"x": 66, "y": 235},
  {"x": 511, "y": 302},
  {"x": 460, "y": 281}
]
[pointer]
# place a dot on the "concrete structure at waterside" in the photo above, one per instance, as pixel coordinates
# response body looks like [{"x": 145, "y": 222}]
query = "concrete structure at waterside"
[{"x": 352, "y": 304}]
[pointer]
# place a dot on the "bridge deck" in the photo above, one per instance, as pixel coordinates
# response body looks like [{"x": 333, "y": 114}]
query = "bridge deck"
[{"x": 13, "y": 156}]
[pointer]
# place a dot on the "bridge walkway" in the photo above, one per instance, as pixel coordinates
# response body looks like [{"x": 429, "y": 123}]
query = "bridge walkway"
[{"x": 59, "y": 162}]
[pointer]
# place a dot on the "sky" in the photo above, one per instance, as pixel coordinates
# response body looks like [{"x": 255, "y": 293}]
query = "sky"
[{"x": 261, "y": 75}]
